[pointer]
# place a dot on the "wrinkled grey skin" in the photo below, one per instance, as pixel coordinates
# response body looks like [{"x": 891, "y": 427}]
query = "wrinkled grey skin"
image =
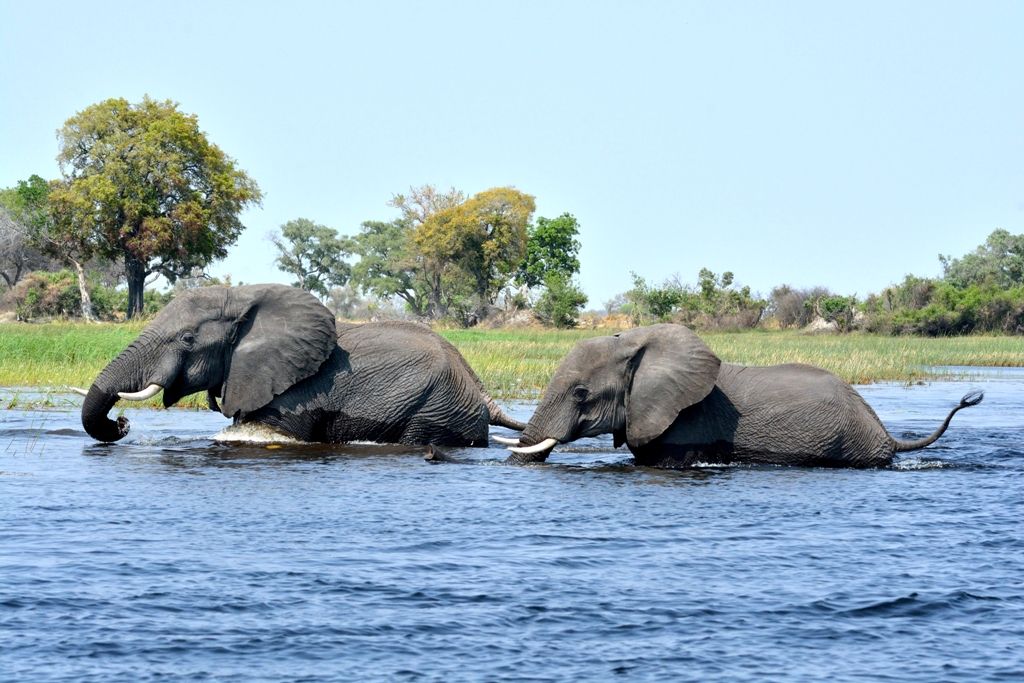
[
  {"x": 273, "y": 354},
  {"x": 665, "y": 394}
]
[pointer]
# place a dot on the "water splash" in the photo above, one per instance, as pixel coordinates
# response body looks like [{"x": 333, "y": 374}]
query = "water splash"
[
  {"x": 254, "y": 432},
  {"x": 919, "y": 463}
]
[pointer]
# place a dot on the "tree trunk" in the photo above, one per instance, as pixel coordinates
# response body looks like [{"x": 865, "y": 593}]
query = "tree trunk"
[
  {"x": 435, "y": 306},
  {"x": 135, "y": 273},
  {"x": 87, "y": 313}
]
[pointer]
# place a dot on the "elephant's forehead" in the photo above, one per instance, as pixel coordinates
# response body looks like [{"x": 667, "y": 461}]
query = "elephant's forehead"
[
  {"x": 201, "y": 303},
  {"x": 591, "y": 353}
]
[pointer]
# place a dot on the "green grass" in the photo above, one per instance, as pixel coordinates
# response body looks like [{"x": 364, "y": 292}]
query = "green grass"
[
  {"x": 516, "y": 363},
  {"x": 519, "y": 363},
  {"x": 864, "y": 358},
  {"x": 58, "y": 355}
]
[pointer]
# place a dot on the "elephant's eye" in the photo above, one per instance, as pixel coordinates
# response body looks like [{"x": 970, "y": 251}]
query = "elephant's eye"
[
  {"x": 580, "y": 394},
  {"x": 188, "y": 339}
]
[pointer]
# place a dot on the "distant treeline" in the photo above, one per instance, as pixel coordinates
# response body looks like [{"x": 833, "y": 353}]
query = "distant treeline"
[{"x": 981, "y": 292}]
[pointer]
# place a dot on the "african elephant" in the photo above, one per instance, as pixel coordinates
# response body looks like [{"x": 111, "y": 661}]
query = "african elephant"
[
  {"x": 273, "y": 354},
  {"x": 664, "y": 393}
]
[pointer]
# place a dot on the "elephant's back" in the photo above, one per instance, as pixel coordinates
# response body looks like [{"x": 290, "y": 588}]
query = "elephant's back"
[
  {"x": 389, "y": 335},
  {"x": 407, "y": 370},
  {"x": 802, "y": 412}
]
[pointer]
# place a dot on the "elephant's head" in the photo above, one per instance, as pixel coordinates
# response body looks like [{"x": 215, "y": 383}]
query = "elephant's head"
[
  {"x": 633, "y": 385},
  {"x": 244, "y": 344}
]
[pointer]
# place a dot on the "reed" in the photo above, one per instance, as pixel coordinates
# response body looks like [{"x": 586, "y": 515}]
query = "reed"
[
  {"x": 520, "y": 363},
  {"x": 865, "y": 358},
  {"x": 514, "y": 363},
  {"x": 55, "y": 356}
]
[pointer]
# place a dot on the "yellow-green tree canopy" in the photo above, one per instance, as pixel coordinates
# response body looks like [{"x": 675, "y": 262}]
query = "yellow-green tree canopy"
[
  {"x": 477, "y": 243},
  {"x": 141, "y": 182}
]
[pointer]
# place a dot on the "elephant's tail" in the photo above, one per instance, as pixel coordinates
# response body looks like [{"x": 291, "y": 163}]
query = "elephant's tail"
[
  {"x": 971, "y": 399},
  {"x": 499, "y": 418}
]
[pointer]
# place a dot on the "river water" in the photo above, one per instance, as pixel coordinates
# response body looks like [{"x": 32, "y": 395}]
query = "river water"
[{"x": 171, "y": 557}]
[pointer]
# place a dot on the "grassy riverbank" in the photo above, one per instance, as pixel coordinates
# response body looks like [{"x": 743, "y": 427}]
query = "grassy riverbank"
[{"x": 519, "y": 363}]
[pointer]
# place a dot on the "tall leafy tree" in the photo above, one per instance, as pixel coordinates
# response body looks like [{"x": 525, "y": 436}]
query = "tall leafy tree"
[
  {"x": 430, "y": 273},
  {"x": 999, "y": 262},
  {"x": 476, "y": 245},
  {"x": 552, "y": 248},
  {"x": 314, "y": 254},
  {"x": 142, "y": 184},
  {"x": 389, "y": 264},
  {"x": 423, "y": 202},
  {"x": 446, "y": 254},
  {"x": 23, "y": 209}
]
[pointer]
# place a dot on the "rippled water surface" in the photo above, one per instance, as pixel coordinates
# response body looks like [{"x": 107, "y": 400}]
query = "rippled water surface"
[{"x": 171, "y": 557}]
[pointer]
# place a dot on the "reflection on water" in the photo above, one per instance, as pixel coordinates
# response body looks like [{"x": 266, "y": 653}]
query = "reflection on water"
[{"x": 170, "y": 555}]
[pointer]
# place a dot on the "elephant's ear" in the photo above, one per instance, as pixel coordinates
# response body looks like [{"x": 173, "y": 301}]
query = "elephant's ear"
[
  {"x": 672, "y": 369},
  {"x": 283, "y": 336}
]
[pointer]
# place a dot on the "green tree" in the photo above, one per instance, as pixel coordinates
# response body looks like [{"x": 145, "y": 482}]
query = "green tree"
[
  {"x": 473, "y": 247},
  {"x": 653, "y": 304},
  {"x": 22, "y": 209},
  {"x": 433, "y": 277},
  {"x": 389, "y": 264},
  {"x": 551, "y": 247},
  {"x": 561, "y": 301},
  {"x": 142, "y": 184},
  {"x": 837, "y": 309},
  {"x": 313, "y": 253},
  {"x": 998, "y": 262}
]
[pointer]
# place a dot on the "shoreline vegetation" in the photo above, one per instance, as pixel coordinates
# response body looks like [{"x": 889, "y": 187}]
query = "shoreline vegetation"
[{"x": 518, "y": 363}]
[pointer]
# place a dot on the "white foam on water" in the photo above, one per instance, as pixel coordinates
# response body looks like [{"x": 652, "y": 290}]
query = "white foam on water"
[
  {"x": 919, "y": 463},
  {"x": 253, "y": 432},
  {"x": 714, "y": 465}
]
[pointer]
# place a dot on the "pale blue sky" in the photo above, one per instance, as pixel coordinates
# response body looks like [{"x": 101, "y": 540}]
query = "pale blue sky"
[{"x": 842, "y": 144}]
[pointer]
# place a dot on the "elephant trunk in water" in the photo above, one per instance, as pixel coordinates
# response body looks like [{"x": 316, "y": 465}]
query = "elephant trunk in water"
[
  {"x": 122, "y": 375},
  {"x": 98, "y": 403}
]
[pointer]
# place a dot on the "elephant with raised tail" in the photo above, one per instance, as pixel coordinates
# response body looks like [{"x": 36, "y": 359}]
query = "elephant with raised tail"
[
  {"x": 274, "y": 355},
  {"x": 664, "y": 393}
]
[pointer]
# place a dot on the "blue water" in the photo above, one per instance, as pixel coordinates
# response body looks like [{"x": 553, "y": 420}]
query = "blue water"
[{"x": 170, "y": 557}]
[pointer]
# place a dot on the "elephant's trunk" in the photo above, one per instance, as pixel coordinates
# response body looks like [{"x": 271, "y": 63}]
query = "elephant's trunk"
[
  {"x": 94, "y": 416},
  {"x": 971, "y": 399},
  {"x": 535, "y": 443},
  {"x": 124, "y": 373},
  {"x": 499, "y": 418}
]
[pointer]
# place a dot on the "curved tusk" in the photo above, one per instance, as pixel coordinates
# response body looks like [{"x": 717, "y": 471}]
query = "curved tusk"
[
  {"x": 83, "y": 392},
  {"x": 507, "y": 442},
  {"x": 149, "y": 392},
  {"x": 545, "y": 445}
]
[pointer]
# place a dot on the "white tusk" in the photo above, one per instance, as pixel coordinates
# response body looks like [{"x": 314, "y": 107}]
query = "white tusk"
[
  {"x": 83, "y": 392},
  {"x": 507, "y": 442},
  {"x": 149, "y": 392},
  {"x": 545, "y": 445}
]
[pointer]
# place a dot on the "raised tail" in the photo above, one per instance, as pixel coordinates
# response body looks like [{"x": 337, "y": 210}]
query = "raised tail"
[
  {"x": 499, "y": 418},
  {"x": 971, "y": 399}
]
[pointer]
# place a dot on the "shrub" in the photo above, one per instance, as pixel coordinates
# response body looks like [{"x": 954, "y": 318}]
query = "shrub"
[
  {"x": 795, "y": 307},
  {"x": 838, "y": 310},
  {"x": 55, "y": 295},
  {"x": 949, "y": 310},
  {"x": 713, "y": 304},
  {"x": 561, "y": 301}
]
